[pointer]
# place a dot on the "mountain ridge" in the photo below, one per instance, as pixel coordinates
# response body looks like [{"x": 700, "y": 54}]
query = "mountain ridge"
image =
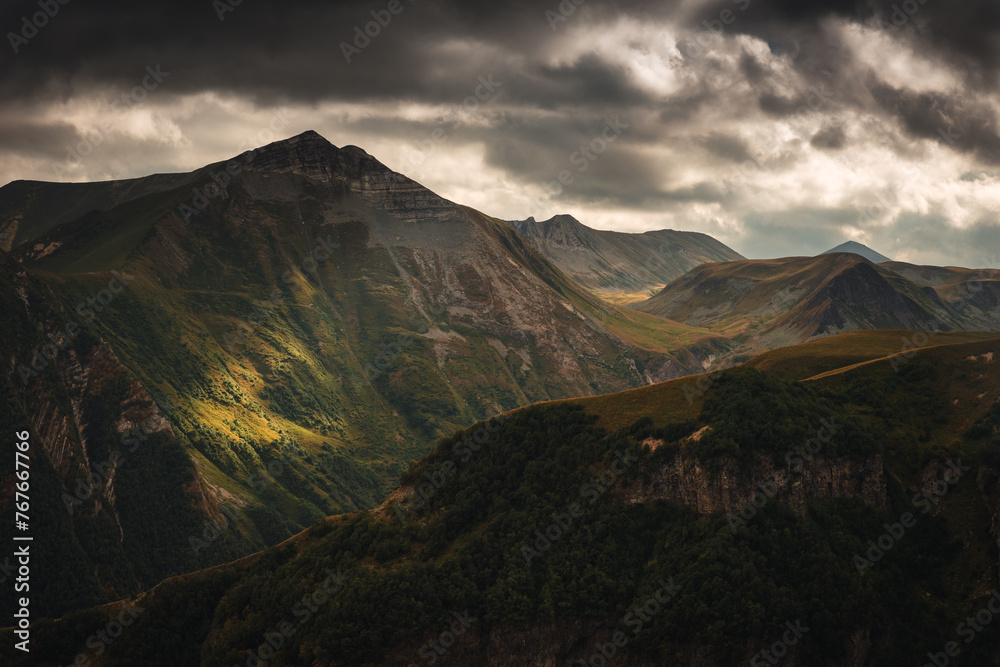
[
  {"x": 647, "y": 530},
  {"x": 767, "y": 304},
  {"x": 620, "y": 266},
  {"x": 319, "y": 316}
]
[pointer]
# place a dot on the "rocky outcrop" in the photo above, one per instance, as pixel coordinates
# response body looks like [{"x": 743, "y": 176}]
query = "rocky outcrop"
[
  {"x": 309, "y": 154},
  {"x": 686, "y": 480}
]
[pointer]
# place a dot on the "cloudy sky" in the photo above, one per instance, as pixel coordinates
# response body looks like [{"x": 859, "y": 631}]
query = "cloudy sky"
[{"x": 782, "y": 127}]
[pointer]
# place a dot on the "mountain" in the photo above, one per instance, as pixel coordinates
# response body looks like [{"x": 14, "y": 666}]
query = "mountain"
[
  {"x": 208, "y": 363},
  {"x": 849, "y": 519},
  {"x": 766, "y": 304},
  {"x": 28, "y": 209},
  {"x": 620, "y": 266},
  {"x": 859, "y": 249}
]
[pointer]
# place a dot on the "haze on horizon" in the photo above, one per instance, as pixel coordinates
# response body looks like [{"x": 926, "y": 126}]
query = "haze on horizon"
[{"x": 779, "y": 127}]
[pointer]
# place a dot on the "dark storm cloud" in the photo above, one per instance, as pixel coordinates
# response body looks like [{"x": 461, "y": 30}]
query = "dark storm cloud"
[
  {"x": 788, "y": 110},
  {"x": 963, "y": 35},
  {"x": 964, "y": 31},
  {"x": 830, "y": 137},
  {"x": 615, "y": 169},
  {"x": 293, "y": 49},
  {"x": 688, "y": 103},
  {"x": 726, "y": 146},
  {"x": 31, "y": 138},
  {"x": 754, "y": 71},
  {"x": 965, "y": 126},
  {"x": 275, "y": 53},
  {"x": 589, "y": 79}
]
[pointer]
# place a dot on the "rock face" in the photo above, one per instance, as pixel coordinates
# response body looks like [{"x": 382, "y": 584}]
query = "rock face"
[
  {"x": 614, "y": 263},
  {"x": 314, "y": 293},
  {"x": 687, "y": 481},
  {"x": 309, "y": 154},
  {"x": 110, "y": 469}
]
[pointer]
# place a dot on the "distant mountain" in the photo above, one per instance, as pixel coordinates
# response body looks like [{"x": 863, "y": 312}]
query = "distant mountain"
[
  {"x": 618, "y": 265},
  {"x": 766, "y": 304},
  {"x": 859, "y": 249},
  {"x": 29, "y": 209},
  {"x": 206, "y": 370}
]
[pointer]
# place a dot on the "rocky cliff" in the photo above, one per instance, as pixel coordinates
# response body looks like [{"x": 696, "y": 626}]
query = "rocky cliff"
[{"x": 739, "y": 492}]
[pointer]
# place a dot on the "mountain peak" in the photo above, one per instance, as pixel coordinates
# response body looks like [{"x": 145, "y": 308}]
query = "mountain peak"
[
  {"x": 859, "y": 249},
  {"x": 312, "y": 155},
  {"x": 562, "y": 219}
]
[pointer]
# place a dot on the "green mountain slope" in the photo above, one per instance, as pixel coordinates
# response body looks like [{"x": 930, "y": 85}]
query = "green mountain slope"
[
  {"x": 551, "y": 537},
  {"x": 307, "y": 332}
]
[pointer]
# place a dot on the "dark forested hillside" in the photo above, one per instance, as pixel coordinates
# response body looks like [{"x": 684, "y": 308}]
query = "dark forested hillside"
[{"x": 541, "y": 537}]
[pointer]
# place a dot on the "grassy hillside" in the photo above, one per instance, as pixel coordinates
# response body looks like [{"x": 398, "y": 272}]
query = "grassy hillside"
[
  {"x": 759, "y": 305},
  {"x": 472, "y": 544},
  {"x": 314, "y": 330}
]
